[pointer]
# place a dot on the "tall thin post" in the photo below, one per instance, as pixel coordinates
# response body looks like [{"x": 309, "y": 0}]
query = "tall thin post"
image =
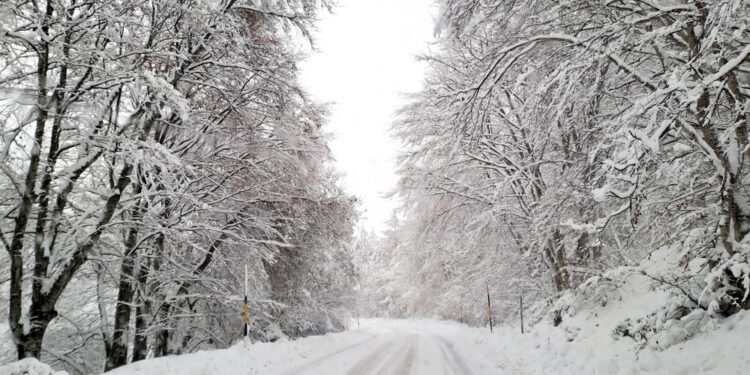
[
  {"x": 521, "y": 297},
  {"x": 246, "y": 301},
  {"x": 489, "y": 306},
  {"x": 461, "y": 314}
]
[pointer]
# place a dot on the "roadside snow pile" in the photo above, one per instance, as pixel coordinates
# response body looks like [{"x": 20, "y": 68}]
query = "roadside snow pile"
[
  {"x": 245, "y": 358},
  {"x": 584, "y": 344},
  {"x": 587, "y": 344},
  {"x": 7, "y": 349},
  {"x": 29, "y": 366},
  {"x": 631, "y": 320}
]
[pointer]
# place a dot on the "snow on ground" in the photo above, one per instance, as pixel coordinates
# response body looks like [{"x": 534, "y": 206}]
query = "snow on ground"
[
  {"x": 378, "y": 347},
  {"x": 7, "y": 350},
  {"x": 29, "y": 366},
  {"x": 258, "y": 358},
  {"x": 547, "y": 350},
  {"x": 583, "y": 344},
  {"x": 436, "y": 347}
]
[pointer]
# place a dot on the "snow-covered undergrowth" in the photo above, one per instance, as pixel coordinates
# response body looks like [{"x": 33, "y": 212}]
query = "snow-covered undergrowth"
[
  {"x": 635, "y": 320},
  {"x": 585, "y": 345},
  {"x": 588, "y": 342},
  {"x": 29, "y": 366}
]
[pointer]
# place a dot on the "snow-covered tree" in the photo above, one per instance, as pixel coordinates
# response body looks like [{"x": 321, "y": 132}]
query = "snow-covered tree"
[
  {"x": 564, "y": 138},
  {"x": 148, "y": 151}
]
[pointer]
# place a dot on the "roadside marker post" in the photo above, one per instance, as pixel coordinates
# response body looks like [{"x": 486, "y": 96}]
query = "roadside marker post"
[
  {"x": 461, "y": 314},
  {"x": 489, "y": 306},
  {"x": 245, "y": 292},
  {"x": 521, "y": 298}
]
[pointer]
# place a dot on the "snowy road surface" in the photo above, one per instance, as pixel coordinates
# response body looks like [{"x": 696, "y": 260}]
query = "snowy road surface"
[
  {"x": 377, "y": 347},
  {"x": 431, "y": 347},
  {"x": 393, "y": 348}
]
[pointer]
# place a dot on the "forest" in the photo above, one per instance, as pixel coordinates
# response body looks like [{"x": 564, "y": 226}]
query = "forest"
[
  {"x": 150, "y": 150},
  {"x": 556, "y": 146}
]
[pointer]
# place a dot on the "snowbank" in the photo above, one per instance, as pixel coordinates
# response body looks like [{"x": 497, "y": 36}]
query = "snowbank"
[
  {"x": 549, "y": 350},
  {"x": 545, "y": 349},
  {"x": 584, "y": 345},
  {"x": 592, "y": 336},
  {"x": 245, "y": 358},
  {"x": 29, "y": 366}
]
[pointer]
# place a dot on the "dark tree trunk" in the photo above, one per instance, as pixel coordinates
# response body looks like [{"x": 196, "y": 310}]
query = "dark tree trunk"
[
  {"x": 140, "y": 345},
  {"x": 42, "y": 308},
  {"x": 161, "y": 343},
  {"x": 26, "y": 345},
  {"x": 119, "y": 353}
]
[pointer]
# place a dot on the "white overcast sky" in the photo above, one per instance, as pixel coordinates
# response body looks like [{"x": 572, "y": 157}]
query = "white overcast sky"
[{"x": 365, "y": 62}]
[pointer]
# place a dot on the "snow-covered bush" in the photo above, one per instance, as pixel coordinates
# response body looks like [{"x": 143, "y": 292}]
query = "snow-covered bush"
[{"x": 29, "y": 366}]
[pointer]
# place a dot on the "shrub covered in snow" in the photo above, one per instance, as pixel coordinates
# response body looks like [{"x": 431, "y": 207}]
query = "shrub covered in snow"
[{"x": 29, "y": 366}]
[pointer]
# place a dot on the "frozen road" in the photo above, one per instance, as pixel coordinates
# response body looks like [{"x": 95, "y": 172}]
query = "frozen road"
[
  {"x": 393, "y": 349},
  {"x": 431, "y": 347},
  {"x": 378, "y": 346}
]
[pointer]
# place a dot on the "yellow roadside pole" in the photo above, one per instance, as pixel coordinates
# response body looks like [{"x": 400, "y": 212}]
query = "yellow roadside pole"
[
  {"x": 246, "y": 300},
  {"x": 489, "y": 306}
]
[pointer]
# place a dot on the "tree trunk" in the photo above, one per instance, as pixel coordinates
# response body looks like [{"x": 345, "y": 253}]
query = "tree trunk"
[
  {"x": 118, "y": 356},
  {"x": 119, "y": 353},
  {"x": 161, "y": 343},
  {"x": 556, "y": 259},
  {"x": 140, "y": 345},
  {"x": 43, "y": 300},
  {"x": 26, "y": 345}
]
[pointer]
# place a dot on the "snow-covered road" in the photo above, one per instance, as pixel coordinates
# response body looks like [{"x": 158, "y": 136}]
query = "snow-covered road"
[
  {"x": 377, "y": 347},
  {"x": 431, "y": 347},
  {"x": 394, "y": 348},
  {"x": 426, "y": 346}
]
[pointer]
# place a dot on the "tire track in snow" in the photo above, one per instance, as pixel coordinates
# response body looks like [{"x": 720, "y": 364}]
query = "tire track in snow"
[
  {"x": 402, "y": 359},
  {"x": 397, "y": 351},
  {"x": 372, "y": 361},
  {"x": 452, "y": 359},
  {"x": 410, "y": 356},
  {"x": 455, "y": 362},
  {"x": 324, "y": 358}
]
